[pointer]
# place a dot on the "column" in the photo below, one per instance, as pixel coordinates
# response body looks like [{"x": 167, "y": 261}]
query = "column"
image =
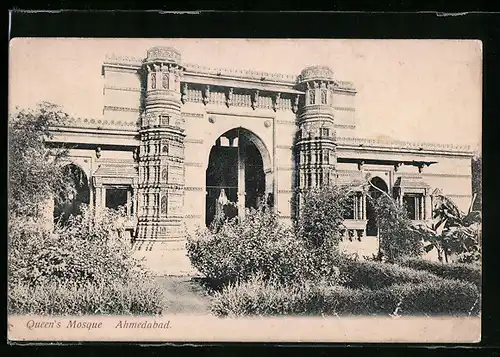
[
  {"x": 364, "y": 206},
  {"x": 355, "y": 207},
  {"x": 241, "y": 184},
  {"x": 103, "y": 197},
  {"x": 421, "y": 204},
  {"x": 135, "y": 211},
  {"x": 428, "y": 207},
  {"x": 129, "y": 202},
  {"x": 360, "y": 212},
  {"x": 98, "y": 199}
]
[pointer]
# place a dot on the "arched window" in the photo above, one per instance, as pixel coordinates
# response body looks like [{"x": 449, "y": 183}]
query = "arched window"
[
  {"x": 324, "y": 95},
  {"x": 164, "y": 175},
  {"x": 312, "y": 96},
  {"x": 164, "y": 205},
  {"x": 165, "y": 81},
  {"x": 153, "y": 80}
]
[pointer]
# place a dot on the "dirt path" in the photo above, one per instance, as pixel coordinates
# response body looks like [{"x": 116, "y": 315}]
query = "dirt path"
[{"x": 184, "y": 296}]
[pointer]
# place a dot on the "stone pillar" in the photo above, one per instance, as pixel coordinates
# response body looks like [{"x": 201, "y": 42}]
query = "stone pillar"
[
  {"x": 356, "y": 207},
  {"x": 98, "y": 195},
  {"x": 241, "y": 184},
  {"x": 129, "y": 202},
  {"x": 428, "y": 207},
  {"x": 364, "y": 206},
  {"x": 422, "y": 207}
]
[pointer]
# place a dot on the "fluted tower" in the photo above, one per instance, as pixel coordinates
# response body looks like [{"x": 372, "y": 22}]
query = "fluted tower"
[
  {"x": 161, "y": 155},
  {"x": 315, "y": 145}
]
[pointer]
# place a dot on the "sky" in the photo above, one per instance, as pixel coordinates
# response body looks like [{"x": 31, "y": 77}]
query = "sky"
[{"x": 416, "y": 90}]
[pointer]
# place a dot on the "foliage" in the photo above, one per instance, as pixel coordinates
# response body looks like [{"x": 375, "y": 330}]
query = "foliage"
[
  {"x": 138, "y": 297},
  {"x": 321, "y": 217},
  {"x": 453, "y": 232},
  {"x": 261, "y": 297},
  {"x": 34, "y": 169},
  {"x": 398, "y": 238},
  {"x": 477, "y": 171},
  {"x": 459, "y": 271},
  {"x": 86, "y": 249},
  {"x": 84, "y": 266},
  {"x": 257, "y": 244},
  {"x": 377, "y": 275}
]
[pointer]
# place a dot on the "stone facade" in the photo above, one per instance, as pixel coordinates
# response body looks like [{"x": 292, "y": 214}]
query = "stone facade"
[{"x": 162, "y": 119}]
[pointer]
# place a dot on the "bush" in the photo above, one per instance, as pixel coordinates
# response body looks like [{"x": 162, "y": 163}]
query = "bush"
[
  {"x": 260, "y": 297},
  {"x": 86, "y": 249},
  {"x": 460, "y": 271},
  {"x": 259, "y": 244},
  {"x": 134, "y": 297},
  {"x": 321, "y": 215},
  {"x": 377, "y": 275},
  {"x": 81, "y": 267},
  {"x": 398, "y": 238}
]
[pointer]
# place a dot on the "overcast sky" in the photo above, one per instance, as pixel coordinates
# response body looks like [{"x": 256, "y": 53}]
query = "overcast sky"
[{"x": 419, "y": 90}]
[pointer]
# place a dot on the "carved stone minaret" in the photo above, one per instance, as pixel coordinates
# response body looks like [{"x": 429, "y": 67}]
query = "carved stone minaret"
[
  {"x": 161, "y": 155},
  {"x": 315, "y": 145}
]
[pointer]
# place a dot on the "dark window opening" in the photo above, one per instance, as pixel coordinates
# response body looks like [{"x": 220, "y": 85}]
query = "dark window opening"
[
  {"x": 325, "y": 132},
  {"x": 413, "y": 205},
  {"x": 116, "y": 197},
  {"x": 349, "y": 208}
]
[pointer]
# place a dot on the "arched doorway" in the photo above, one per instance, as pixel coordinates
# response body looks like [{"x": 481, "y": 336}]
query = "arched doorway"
[
  {"x": 235, "y": 175},
  {"x": 71, "y": 205},
  {"x": 371, "y": 225}
]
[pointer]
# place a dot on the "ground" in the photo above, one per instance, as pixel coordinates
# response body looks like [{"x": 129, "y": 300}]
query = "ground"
[{"x": 184, "y": 295}]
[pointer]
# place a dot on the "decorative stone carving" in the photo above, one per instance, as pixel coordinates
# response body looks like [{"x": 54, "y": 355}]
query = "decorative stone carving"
[
  {"x": 229, "y": 97},
  {"x": 276, "y": 101},
  {"x": 316, "y": 73},
  {"x": 267, "y": 123},
  {"x": 211, "y": 119},
  {"x": 184, "y": 91},
  {"x": 167, "y": 54},
  {"x": 255, "y": 99},
  {"x": 206, "y": 94}
]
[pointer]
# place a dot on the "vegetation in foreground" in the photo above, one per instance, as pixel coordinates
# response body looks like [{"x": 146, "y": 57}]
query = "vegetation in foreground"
[
  {"x": 80, "y": 266},
  {"x": 257, "y": 266}
]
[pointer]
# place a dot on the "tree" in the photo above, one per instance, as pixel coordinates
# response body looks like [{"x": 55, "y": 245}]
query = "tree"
[
  {"x": 35, "y": 173},
  {"x": 477, "y": 164},
  {"x": 397, "y": 237},
  {"x": 453, "y": 231},
  {"x": 322, "y": 214}
]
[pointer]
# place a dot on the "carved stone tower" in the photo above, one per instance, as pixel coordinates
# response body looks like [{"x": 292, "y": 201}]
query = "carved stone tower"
[
  {"x": 161, "y": 155},
  {"x": 315, "y": 143}
]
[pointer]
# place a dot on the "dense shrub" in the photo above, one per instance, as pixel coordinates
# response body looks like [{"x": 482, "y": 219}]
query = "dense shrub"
[
  {"x": 260, "y": 297},
  {"x": 138, "y": 297},
  {"x": 258, "y": 244},
  {"x": 377, "y": 275},
  {"x": 398, "y": 238},
  {"x": 86, "y": 249},
  {"x": 460, "y": 271},
  {"x": 321, "y": 216},
  {"x": 81, "y": 267}
]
